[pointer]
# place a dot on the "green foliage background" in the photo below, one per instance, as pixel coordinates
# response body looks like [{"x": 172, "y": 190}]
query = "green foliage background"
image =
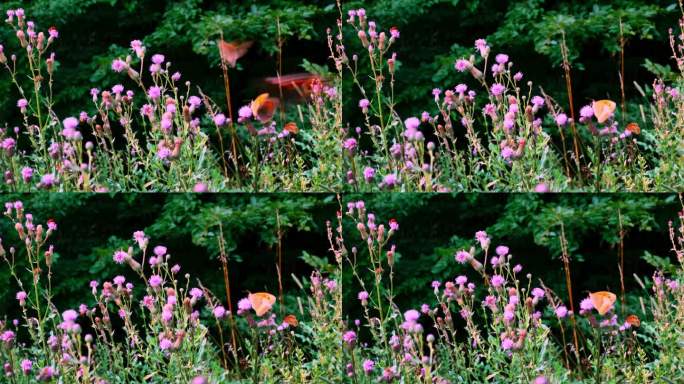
[{"x": 434, "y": 33}]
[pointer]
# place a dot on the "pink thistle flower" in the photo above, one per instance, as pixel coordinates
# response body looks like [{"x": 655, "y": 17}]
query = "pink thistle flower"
[
  {"x": 498, "y": 89},
  {"x": 120, "y": 256},
  {"x": 462, "y": 256},
  {"x": 219, "y": 312},
  {"x": 498, "y": 281},
  {"x": 587, "y": 112},
  {"x": 507, "y": 344},
  {"x": 244, "y": 305},
  {"x": 349, "y": 338},
  {"x": 158, "y": 59},
  {"x": 462, "y": 65},
  {"x": 160, "y": 250},
  {"x": 502, "y": 250},
  {"x": 119, "y": 65},
  {"x": 482, "y": 47},
  {"x": 165, "y": 344},
  {"x": 561, "y": 311},
  {"x": 368, "y": 366},
  {"x": 196, "y": 293},
  {"x": 26, "y": 366},
  {"x": 154, "y": 93},
  {"x": 155, "y": 281},
  {"x": 501, "y": 58},
  {"x": 561, "y": 119},
  {"x": 220, "y": 119}
]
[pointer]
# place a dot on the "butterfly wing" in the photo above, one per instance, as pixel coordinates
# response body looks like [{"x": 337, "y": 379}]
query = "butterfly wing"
[
  {"x": 232, "y": 51},
  {"x": 261, "y": 302},
  {"x": 633, "y": 128},
  {"x": 603, "y": 110},
  {"x": 292, "y": 128},
  {"x": 633, "y": 320},
  {"x": 291, "y": 320},
  {"x": 264, "y": 107},
  {"x": 603, "y": 301}
]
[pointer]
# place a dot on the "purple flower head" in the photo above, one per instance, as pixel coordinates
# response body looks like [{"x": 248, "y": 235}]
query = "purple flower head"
[
  {"x": 194, "y": 101},
  {"x": 160, "y": 250},
  {"x": 501, "y": 58},
  {"x": 158, "y": 59},
  {"x": 154, "y": 93},
  {"x": 368, "y": 174},
  {"x": 165, "y": 344},
  {"x": 411, "y": 315},
  {"x": 538, "y": 293},
  {"x": 368, "y": 366},
  {"x": 120, "y": 256},
  {"x": 462, "y": 65},
  {"x": 119, "y": 65},
  {"x": 498, "y": 281},
  {"x": 561, "y": 311},
  {"x": 245, "y": 112},
  {"x": 155, "y": 281},
  {"x": 502, "y": 250},
  {"x": 498, "y": 89},
  {"x": 538, "y": 101},
  {"x": 220, "y": 119},
  {"x": 349, "y": 338},
  {"x": 587, "y": 112},
  {"x": 462, "y": 256},
  {"x": 349, "y": 144},
  {"x": 561, "y": 119},
  {"x": 244, "y": 305},
  {"x": 219, "y": 312}
]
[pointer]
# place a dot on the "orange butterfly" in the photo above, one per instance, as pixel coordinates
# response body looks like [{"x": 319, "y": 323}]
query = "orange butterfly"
[
  {"x": 300, "y": 82},
  {"x": 261, "y": 302},
  {"x": 634, "y": 128},
  {"x": 603, "y": 301},
  {"x": 291, "y": 127},
  {"x": 603, "y": 110},
  {"x": 291, "y": 320},
  {"x": 231, "y": 52},
  {"x": 633, "y": 320},
  {"x": 264, "y": 107}
]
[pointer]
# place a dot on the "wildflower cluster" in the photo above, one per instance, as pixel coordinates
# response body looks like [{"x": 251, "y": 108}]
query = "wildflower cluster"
[
  {"x": 492, "y": 321},
  {"x": 491, "y": 131},
  {"x": 157, "y": 326}
]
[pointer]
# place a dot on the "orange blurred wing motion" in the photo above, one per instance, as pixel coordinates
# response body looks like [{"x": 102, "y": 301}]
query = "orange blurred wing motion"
[
  {"x": 261, "y": 302},
  {"x": 291, "y": 320},
  {"x": 264, "y": 107},
  {"x": 633, "y": 320},
  {"x": 232, "y": 51},
  {"x": 292, "y": 128},
  {"x": 301, "y": 82},
  {"x": 634, "y": 128},
  {"x": 603, "y": 110},
  {"x": 603, "y": 301}
]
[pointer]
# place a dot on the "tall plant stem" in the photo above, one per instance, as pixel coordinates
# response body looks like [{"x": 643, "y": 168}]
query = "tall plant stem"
[
  {"x": 568, "y": 284},
  {"x": 622, "y": 72},
  {"x": 279, "y": 252},
  {"x": 231, "y": 123},
  {"x": 226, "y": 281},
  {"x": 621, "y": 265},
  {"x": 568, "y": 86}
]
